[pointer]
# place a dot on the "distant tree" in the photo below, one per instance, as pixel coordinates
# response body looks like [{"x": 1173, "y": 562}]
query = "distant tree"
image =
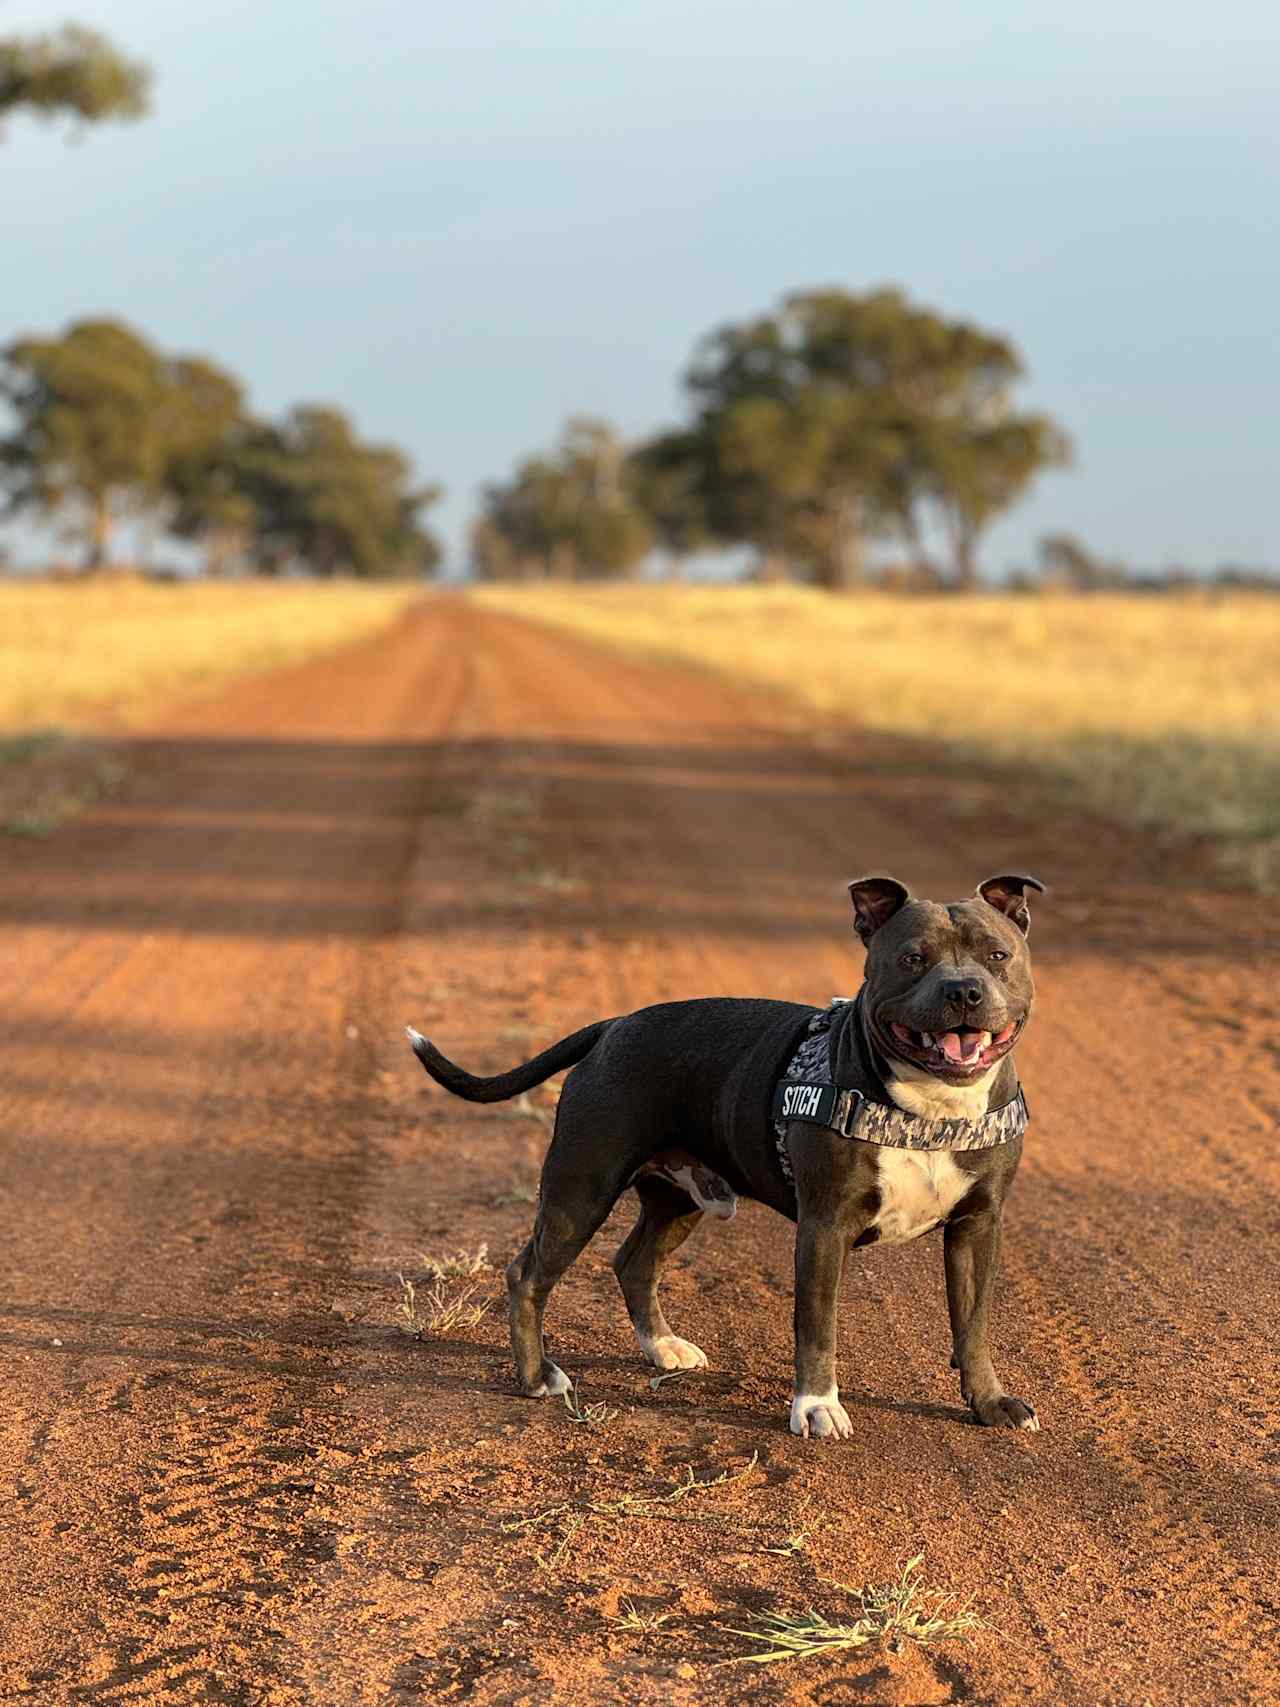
[
  {"x": 88, "y": 433},
  {"x": 572, "y": 514},
  {"x": 325, "y": 500},
  {"x": 839, "y": 418},
  {"x": 492, "y": 550},
  {"x": 974, "y": 472},
  {"x": 1066, "y": 560},
  {"x": 204, "y": 431},
  {"x": 670, "y": 477},
  {"x": 102, "y": 425},
  {"x": 71, "y": 72}
]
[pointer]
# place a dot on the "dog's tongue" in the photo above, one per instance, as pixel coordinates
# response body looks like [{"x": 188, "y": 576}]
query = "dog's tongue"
[{"x": 953, "y": 1046}]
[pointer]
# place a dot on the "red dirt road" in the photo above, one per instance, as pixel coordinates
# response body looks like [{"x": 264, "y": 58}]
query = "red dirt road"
[{"x": 227, "y": 1475}]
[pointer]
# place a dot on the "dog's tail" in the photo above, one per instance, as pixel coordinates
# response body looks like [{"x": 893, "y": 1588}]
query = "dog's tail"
[{"x": 503, "y": 1085}]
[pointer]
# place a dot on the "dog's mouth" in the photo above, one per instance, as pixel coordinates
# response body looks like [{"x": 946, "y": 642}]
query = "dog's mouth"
[{"x": 954, "y": 1054}]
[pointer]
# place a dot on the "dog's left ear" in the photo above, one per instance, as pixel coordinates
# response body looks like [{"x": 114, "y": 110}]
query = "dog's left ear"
[
  {"x": 1008, "y": 895},
  {"x": 875, "y": 901}
]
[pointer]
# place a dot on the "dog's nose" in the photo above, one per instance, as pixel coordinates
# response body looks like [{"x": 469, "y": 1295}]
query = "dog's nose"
[{"x": 964, "y": 992}]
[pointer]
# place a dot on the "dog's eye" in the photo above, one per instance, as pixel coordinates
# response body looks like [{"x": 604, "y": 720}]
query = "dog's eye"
[
  {"x": 997, "y": 954},
  {"x": 913, "y": 960}
]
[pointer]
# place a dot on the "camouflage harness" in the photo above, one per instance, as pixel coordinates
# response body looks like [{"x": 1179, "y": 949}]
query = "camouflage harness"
[{"x": 807, "y": 1091}]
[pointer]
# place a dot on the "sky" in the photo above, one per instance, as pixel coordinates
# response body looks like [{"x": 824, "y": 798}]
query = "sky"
[{"x": 464, "y": 223}]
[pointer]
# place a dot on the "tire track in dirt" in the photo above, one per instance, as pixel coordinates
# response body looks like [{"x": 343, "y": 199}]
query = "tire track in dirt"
[{"x": 170, "y": 1490}]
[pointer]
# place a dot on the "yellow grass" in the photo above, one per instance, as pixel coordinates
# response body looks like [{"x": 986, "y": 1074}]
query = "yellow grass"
[
  {"x": 114, "y": 650},
  {"x": 1160, "y": 709}
]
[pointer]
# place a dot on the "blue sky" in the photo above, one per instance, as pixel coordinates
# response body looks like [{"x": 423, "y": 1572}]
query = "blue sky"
[{"x": 464, "y": 223}]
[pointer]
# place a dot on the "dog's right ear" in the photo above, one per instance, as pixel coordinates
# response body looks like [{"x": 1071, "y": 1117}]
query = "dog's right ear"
[{"x": 875, "y": 901}]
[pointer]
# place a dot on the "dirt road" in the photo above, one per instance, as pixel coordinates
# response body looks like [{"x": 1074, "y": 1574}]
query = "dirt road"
[{"x": 228, "y": 1476}]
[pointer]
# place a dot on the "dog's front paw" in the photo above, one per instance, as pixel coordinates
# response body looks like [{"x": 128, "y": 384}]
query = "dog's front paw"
[
  {"x": 671, "y": 1352},
  {"x": 1005, "y": 1412},
  {"x": 820, "y": 1416}
]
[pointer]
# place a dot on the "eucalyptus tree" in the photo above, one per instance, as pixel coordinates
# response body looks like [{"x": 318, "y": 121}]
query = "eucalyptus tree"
[
  {"x": 325, "y": 500},
  {"x": 839, "y": 418},
  {"x": 205, "y": 428},
  {"x": 670, "y": 477},
  {"x": 87, "y": 431},
  {"x": 73, "y": 73},
  {"x": 570, "y": 514}
]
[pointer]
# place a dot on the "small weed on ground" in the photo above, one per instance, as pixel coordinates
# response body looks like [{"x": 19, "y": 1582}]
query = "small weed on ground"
[
  {"x": 48, "y": 775},
  {"x": 671, "y": 1505},
  {"x": 524, "y": 1108},
  {"x": 635, "y": 1622},
  {"x": 790, "y": 1544},
  {"x": 435, "y": 1311},
  {"x": 519, "y": 1191},
  {"x": 655, "y": 1381},
  {"x": 548, "y": 881},
  {"x": 893, "y": 1614},
  {"x": 589, "y": 1416},
  {"x": 461, "y": 1264}
]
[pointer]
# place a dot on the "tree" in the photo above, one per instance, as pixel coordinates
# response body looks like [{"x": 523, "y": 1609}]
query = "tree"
[
  {"x": 841, "y": 417},
  {"x": 669, "y": 477},
  {"x": 325, "y": 499},
  {"x": 204, "y": 430},
  {"x": 569, "y": 515},
  {"x": 104, "y": 425},
  {"x": 1066, "y": 560},
  {"x": 973, "y": 473},
  {"x": 72, "y": 72},
  {"x": 806, "y": 422},
  {"x": 88, "y": 425}
]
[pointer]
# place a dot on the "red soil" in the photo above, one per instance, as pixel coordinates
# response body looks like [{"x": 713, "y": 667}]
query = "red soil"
[{"x": 229, "y": 1477}]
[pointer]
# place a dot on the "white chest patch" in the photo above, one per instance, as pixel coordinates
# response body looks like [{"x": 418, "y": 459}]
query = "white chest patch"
[
  {"x": 920, "y": 1093},
  {"x": 918, "y": 1189}
]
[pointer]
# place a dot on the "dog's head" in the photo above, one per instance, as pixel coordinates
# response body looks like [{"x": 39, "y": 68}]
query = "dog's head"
[{"x": 948, "y": 984}]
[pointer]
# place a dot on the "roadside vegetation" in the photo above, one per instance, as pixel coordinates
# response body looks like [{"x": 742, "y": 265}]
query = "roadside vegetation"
[
  {"x": 110, "y": 651},
  {"x": 1159, "y": 709},
  {"x": 80, "y": 662}
]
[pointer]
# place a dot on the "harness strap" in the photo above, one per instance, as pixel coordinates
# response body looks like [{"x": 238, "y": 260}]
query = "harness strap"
[
  {"x": 807, "y": 1093},
  {"x": 853, "y": 1115}
]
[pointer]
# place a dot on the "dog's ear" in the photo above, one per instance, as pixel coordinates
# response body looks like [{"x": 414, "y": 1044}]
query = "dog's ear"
[
  {"x": 875, "y": 901},
  {"x": 1008, "y": 895}
]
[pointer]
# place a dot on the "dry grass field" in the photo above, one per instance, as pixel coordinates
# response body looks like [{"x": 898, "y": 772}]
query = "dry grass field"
[
  {"x": 82, "y": 661},
  {"x": 115, "y": 649},
  {"x": 1163, "y": 710}
]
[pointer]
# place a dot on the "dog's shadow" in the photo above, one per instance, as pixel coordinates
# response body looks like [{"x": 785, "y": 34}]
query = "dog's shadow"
[
  {"x": 386, "y": 1356},
  {"x": 708, "y": 1394},
  {"x": 911, "y": 1408}
]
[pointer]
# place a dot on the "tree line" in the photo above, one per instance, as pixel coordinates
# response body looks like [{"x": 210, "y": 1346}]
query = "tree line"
[
  {"x": 833, "y": 422},
  {"x": 104, "y": 427}
]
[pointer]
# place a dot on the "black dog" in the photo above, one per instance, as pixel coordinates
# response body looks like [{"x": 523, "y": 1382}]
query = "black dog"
[{"x": 876, "y": 1119}]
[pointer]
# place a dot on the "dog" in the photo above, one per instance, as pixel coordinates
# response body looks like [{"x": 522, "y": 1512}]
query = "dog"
[{"x": 876, "y": 1120}]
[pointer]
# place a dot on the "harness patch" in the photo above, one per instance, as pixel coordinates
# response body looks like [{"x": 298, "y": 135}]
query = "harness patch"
[{"x": 803, "y": 1102}]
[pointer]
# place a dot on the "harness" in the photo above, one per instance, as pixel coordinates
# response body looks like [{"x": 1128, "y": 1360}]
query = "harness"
[{"x": 808, "y": 1091}]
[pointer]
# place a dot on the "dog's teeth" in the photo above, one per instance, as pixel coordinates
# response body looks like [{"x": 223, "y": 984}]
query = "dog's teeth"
[
  {"x": 926, "y": 1037},
  {"x": 985, "y": 1040}
]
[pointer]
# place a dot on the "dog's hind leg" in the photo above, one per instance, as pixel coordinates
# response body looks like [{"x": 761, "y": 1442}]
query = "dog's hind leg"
[
  {"x": 667, "y": 1217},
  {"x": 564, "y": 1227}
]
